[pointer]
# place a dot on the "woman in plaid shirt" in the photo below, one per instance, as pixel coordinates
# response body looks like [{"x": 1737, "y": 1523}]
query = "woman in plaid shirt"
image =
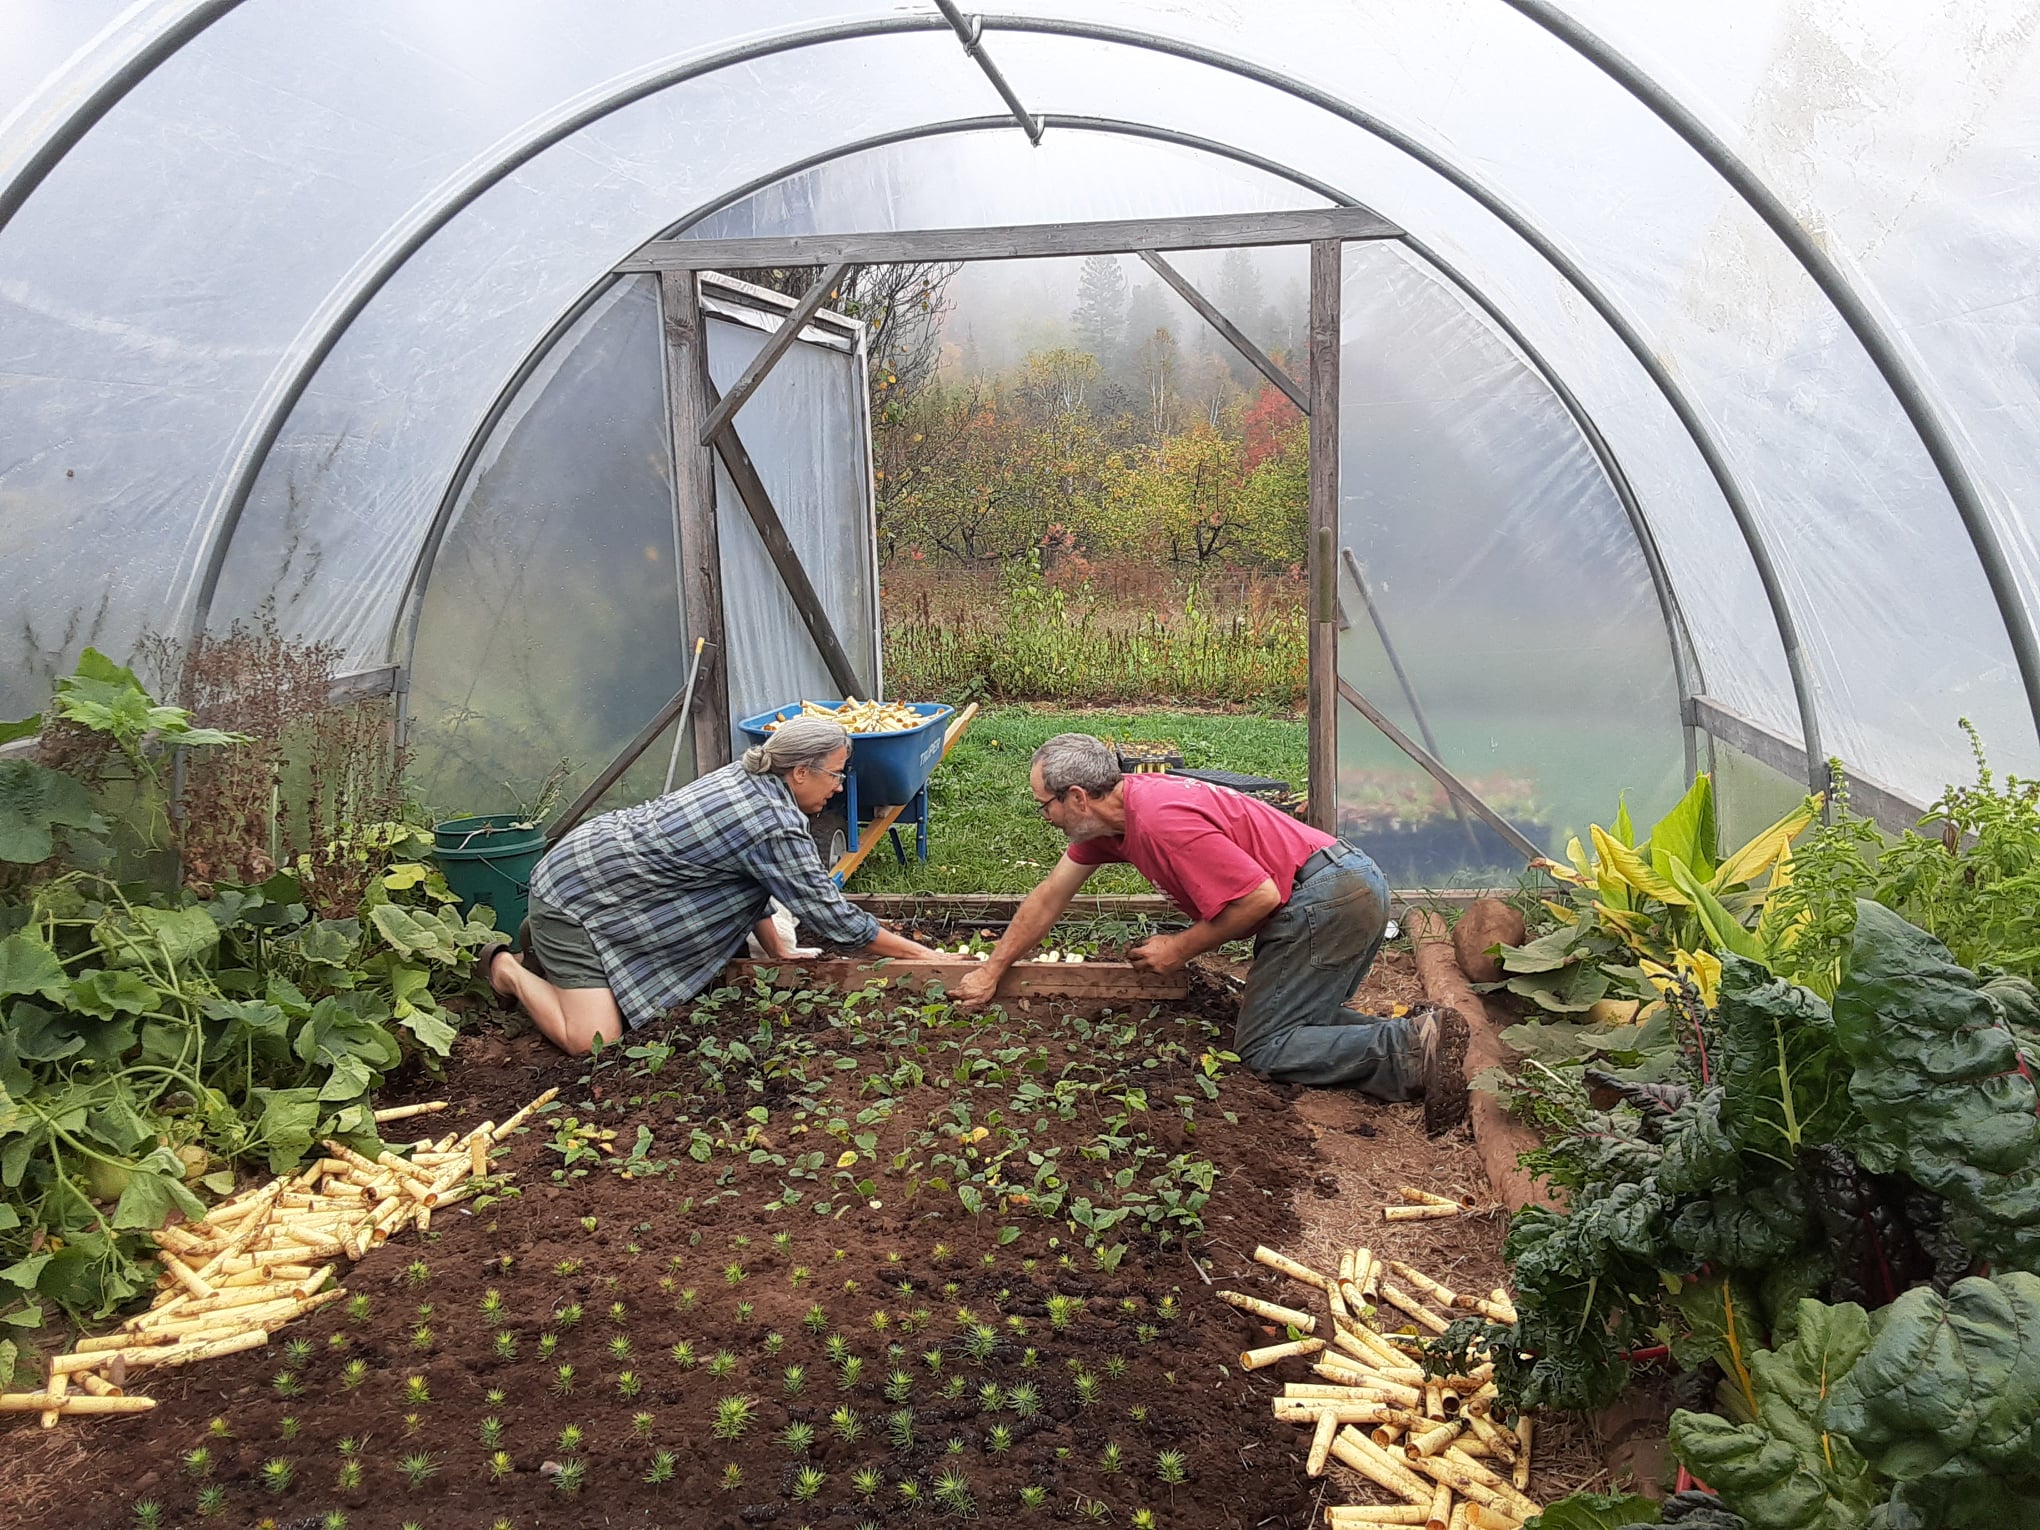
[{"x": 638, "y": 910}]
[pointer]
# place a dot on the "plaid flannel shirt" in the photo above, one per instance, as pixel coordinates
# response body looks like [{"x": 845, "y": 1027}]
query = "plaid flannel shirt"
[{"x": 668, "y": 889}]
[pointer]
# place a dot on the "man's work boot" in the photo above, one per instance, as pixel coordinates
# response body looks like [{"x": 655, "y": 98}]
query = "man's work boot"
[{"x": 1442, "y": 1035}]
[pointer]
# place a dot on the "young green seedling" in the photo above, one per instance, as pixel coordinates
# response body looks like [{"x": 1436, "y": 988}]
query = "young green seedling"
[
  {"x": 211, "y": 1501},
  {"x": 492, "y": 1433},
  {"x": 846, "y": 1425},
  {"x": 732, "y": 1477},
  {"x": 798, "y": 1438},
  {"x": 664, "y": 1463},
  {"x": 794, "y": 1377},
  {"x": 683, "y": 1355},
  {"x": 571, "y": 1439},
  {"x": 571, "y": 1477},
  {"x": 1172, "y": 1467},
  {"x": 277, "y": 1474},
  {"x": 733, "y": 1416},
  {"x": 418, "y": 1468},
  {"x": 500, "y": 1465},
  {"x": 641, "y": 1426},
  {"x": 722, "y": 1365}
]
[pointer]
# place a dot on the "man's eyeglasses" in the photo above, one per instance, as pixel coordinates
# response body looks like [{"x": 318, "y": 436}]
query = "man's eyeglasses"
[
  {"x": 837, "y": 776},
  {"x": 1045, "y": 803}
]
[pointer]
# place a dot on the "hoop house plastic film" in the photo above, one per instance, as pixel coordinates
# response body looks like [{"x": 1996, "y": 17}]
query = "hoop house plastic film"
[
  {"x": 551, "y": 626},
  {"x": 1904, "y": 136},
  {"x": 359, "y": 468},
  {"x": 1508, "y": 579},
  {"x": 805, "y": 430}
]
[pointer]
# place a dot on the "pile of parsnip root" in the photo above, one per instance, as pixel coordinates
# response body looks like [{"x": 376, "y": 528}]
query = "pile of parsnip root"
[
  {"x": 254, "y": 1262},
  {"x": 1435, "y": 1444}
]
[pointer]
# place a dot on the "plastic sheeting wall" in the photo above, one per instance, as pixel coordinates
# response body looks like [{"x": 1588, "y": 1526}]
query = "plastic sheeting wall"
[
  {"x": 162, "y": 293},
  {"x": 806, "y": 432},
  {"x": 1508, "y": 579},
  {"x": 552, "y": 626}
]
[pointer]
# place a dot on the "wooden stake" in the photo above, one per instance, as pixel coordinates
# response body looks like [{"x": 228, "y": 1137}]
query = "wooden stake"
[{"x": 1418, "y": 1213}]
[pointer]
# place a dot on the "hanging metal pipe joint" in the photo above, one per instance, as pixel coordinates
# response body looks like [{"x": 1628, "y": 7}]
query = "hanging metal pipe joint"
[{"x": 970, "y": 32}]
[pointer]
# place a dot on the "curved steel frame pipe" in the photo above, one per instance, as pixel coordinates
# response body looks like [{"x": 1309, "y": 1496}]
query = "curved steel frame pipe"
[
  {"x": 106, "y": 95},
  {"x": 1884, "y": 353},
  {"x": 1524, "y": 229},
  {"x": 1688, "y": 680},
  {"x": 308, "y": 363}
]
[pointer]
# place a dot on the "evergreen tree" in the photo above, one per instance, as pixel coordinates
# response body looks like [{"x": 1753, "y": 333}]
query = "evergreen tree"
[{"x": 1100, "y": 314}]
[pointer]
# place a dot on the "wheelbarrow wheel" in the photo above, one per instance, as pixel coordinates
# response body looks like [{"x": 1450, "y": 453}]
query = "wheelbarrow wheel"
[{"x": 831, "y": 831}]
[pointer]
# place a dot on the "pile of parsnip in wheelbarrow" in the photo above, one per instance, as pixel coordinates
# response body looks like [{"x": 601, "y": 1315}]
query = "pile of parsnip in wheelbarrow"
[{"x": 1434, "y": 1443}]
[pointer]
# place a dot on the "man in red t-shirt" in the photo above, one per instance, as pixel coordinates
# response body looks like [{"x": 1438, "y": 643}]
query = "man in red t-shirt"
[{"x": 1315, "y": 909}]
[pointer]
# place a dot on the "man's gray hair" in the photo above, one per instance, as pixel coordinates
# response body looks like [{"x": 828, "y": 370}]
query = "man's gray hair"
[
  {"x": 1078, "y": 759},
  {"x": 795, "y": 742}
]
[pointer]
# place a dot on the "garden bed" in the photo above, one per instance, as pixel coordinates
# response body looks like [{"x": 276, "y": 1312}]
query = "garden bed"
[{"x": 1130, "y": 1348}]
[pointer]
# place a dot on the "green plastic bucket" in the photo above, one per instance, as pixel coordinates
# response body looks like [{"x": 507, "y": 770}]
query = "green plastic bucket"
[{"x": 489, "y": 860}]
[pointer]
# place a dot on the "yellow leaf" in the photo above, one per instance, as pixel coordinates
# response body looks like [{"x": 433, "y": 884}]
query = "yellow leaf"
[
  {"x": 1634, "y": 870},
  {"x": 1560, "y": 912},
  {"x": 1756, "y": 857},
  {"x": 846, "y": 1160}
]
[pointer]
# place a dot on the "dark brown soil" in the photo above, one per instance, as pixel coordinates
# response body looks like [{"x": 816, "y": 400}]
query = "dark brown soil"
[{"x": 660, "y": 1240}]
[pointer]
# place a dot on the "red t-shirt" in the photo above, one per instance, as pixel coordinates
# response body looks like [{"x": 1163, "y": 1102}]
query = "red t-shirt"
[{"x": 1203, "y": 845}]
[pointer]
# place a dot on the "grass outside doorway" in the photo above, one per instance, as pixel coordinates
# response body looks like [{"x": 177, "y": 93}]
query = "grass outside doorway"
[{"x": 985, "y": 834}]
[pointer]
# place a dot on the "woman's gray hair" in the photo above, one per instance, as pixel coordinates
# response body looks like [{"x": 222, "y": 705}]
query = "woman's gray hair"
[
  {"x": 1078, "y": 759},
  {"x": 797, "y": 741}
]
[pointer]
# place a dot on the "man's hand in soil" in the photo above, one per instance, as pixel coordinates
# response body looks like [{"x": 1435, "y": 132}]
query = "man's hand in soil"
[
  {"x": 976, "y": 988},
  {"x": 1160, "y": 954}
]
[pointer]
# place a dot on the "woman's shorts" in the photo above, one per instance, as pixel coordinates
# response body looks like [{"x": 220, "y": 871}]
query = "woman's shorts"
[{"x": 564, "y": 950}]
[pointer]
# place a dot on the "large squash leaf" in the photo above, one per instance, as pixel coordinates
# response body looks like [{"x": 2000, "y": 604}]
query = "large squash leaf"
[{"x": 35, "y": 800}]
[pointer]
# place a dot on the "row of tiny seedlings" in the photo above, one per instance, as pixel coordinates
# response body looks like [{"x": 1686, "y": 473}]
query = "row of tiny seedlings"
[{"x": 734, "y": 1412}]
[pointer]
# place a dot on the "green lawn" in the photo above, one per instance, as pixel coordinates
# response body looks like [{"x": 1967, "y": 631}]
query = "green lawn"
[{"x": 985, "y": 834}]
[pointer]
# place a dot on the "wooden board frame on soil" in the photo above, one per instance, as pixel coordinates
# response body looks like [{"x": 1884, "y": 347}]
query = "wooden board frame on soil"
[{"x": 1081, "y": 981}]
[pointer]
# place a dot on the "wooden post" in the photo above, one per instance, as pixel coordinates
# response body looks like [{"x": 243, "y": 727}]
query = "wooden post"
[
  {"x": 696, "y": 544},
  {"x": 1326, "y": 269}
]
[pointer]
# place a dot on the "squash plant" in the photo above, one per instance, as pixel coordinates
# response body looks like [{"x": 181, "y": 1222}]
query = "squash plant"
[{"x": 150, "y": 1039}]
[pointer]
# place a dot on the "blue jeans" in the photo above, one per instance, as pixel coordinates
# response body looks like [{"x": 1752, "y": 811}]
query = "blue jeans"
[{"x": 1309, "y": 959}]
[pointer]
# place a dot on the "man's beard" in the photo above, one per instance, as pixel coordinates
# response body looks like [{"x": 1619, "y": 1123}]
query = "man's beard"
[{"x": 1086, "y": 826}]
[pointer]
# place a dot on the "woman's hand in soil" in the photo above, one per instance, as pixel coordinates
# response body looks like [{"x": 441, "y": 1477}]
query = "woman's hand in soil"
[{"x": 1159, "y": 954}]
